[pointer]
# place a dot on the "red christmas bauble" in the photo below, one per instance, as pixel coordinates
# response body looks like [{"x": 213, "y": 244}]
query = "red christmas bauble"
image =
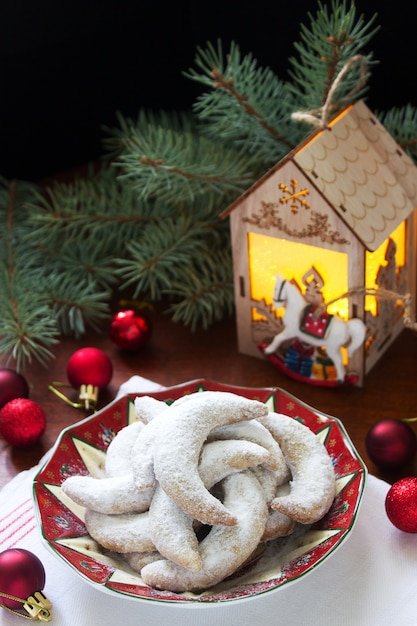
[
  {"x": 391, "y": 443},
  {"x": 401, "y": 504},
  {"x": 21, "y": 574},
  {"x": 130, "y": 329},
  {"x": 89, "y": 366},
  {"x": 12, "y": 385},
  {"x": 22, "y": 422}
]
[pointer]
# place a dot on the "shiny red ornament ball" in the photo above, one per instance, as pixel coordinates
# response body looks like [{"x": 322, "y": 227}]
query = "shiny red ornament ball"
[
  {"x": 89, "y": 366},
  {"x": 391, "y": 443},
  {"x": 130, "y": 329},
  {"x": 12, "y": 385},
  {"x": 401, "y": 504},
  {"x": 22, "y": 422},
  {"x": 21, "y": 575}
]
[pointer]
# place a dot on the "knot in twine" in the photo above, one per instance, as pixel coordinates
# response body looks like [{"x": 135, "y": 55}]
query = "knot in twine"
[{"x": 319, "y": 118}]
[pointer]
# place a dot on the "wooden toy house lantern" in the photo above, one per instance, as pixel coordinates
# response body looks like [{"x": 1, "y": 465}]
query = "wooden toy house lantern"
[{"x": 334, "y": 217}]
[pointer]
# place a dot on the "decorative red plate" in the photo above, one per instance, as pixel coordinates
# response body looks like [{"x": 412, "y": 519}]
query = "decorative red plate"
[{"x": 81, "y": 448}]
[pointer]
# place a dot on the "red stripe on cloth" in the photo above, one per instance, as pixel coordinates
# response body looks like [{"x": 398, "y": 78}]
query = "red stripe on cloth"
[
  {"x": 13, "y": 511},
  {"x": 19, "y": 523},
  {"x": 19, "y": 539}
]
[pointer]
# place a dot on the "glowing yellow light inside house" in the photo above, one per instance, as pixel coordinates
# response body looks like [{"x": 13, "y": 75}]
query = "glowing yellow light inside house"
[
  {"x": 269, "y": 256},
  {"x": 376, "y": 260}
]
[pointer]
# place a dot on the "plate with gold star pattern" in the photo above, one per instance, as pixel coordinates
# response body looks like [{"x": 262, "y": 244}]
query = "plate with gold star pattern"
[{"x": 81, "y": 450}]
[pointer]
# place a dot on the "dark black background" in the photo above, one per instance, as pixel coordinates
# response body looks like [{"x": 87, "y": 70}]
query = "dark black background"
[{"x": 67, "y": 66}]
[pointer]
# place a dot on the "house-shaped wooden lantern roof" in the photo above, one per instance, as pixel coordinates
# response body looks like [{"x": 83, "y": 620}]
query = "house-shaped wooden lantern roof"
[{"x": 349, "y": 190}]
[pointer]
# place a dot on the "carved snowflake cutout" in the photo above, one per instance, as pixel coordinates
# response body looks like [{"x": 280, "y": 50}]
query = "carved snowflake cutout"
[{"x": 295, "y": 197}]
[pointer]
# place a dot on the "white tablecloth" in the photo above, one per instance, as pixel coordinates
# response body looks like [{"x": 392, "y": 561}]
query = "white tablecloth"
[{"x": 370, "y": 581}]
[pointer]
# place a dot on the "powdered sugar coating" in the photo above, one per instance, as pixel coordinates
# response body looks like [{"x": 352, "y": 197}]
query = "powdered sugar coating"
[
  {"x": 147, "y": 407},
  {"x": 313, "y": 479},
  {"x": 120, "y": 533},
  {"x": 178, "y": 445},
  {"x": 220, "y": 458},
  {"x": 142, "y": 455},
  {"x": 171, "y": 529},
  {"x": 119, "y": 450},
  {"x": 117, "y": 494},
  {"x": 257, "y": 433},
  {"x": 226, "y": 547},
  {"x": 137, "y": 560},
  {"x": 270, "y": 481}
]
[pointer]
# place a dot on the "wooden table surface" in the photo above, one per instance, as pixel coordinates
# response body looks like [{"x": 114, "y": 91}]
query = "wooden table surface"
[{"x": 175, "y": 355}]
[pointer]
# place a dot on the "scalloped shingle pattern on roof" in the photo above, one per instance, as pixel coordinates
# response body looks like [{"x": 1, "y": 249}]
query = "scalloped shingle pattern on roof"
[{"x": 363, "y": 173}]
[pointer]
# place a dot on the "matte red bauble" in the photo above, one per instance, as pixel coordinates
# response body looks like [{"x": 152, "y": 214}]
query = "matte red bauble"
[
  {"x": 12, "y": 385},
  {"x": 22, "y": 422},
  {"x": 391, "y": 443},
  {"x": 21, "y": 574},
  {"x": 401, "y": 504},
  {"x": 130, "y": 329},
  {"x": 89, "y": 366}
]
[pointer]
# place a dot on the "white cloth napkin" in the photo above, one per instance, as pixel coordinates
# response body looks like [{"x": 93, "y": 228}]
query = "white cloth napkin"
[{"x": 369, "y": 581}]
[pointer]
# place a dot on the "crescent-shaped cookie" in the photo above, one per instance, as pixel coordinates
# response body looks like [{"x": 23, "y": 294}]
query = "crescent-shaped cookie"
[
  {"x": 118, "y": 453},
  {"x": 147, "y": 407},
  {"x": 120, "y": 533},
  {"x": 118, "y": 456},
  {"x": 142, "y": 455},
  {"x": 220, "y": 458},
  {"x": 117, "y": 494},
  {"x": 137, "y": 560},
  {"x": 278, "y": 525},
  {"x": 178, "y": 444},
  {"x": 225, "y": 548},
  {"x": 312, "y": 486},
  {"x": 151, "y": 412},
  {"x": 257, "y": 433},
  {"x": 171, "y": 529},
  {"x": 270, "y": 481}
]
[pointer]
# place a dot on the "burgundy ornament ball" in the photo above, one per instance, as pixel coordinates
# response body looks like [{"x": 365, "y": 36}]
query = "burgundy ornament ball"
[
  {"x": 89, "y": 366},
  {"x": 22, "y": 422},
  {"x": 391, "y": 443},
  {"x": 21, "y": 575},
  {"x": 130, "y": 329},
  {"x": 12, "y": 385},
  {"x": 401, "y": 504}
]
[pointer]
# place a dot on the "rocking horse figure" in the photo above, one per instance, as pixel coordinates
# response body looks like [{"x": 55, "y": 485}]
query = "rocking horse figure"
[{"x": 300, "y": 322}]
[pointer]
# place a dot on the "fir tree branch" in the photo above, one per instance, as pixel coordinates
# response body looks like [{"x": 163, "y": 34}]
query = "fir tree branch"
[
  {"x": 77, "y": 304},
  {"x": 334, "y": 37},
  {"x": 208, "y": 294},
  {"x": 228, "y": 84},
  {"x": 84, "y": 209},
  {"x": 165, "y": 254},
  {"x": 246, "y": 104},
  {"x": 180, "y": 167},
  {"x": 401, "y": 123},
  {"x": 116, "y": 139},
  {"x": 27, "y": 329}
]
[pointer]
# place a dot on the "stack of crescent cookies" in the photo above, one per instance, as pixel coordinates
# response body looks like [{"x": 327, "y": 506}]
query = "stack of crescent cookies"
[{"x": 192, "y": 488}]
